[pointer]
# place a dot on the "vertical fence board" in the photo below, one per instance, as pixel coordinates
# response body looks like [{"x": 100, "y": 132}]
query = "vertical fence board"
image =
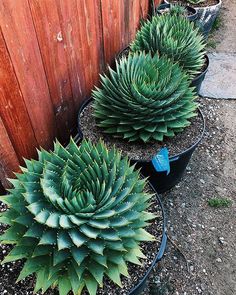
[
  {"x": 81, "y": 22},
  {"x": 9, "y": 161},
  {"x": 51, "y": 43},
  {"x": 13, "y": 112},
  {"x": 121, "y": 20},
  {"x": 111, "y": 29},
  {"x": 19, "y": 34}
]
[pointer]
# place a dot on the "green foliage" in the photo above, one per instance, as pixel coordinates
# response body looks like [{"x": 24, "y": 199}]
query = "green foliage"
[
  {"x": 177, "y": 10},
  {"x": 175, "y": 37},
  {"x": 196, "y": 1},
  {"x": 76, "y": 215},
  {"x": 219, "y": 202},
  {"x": 217, "y": 24},
  {"x": 145, "y": 98}
]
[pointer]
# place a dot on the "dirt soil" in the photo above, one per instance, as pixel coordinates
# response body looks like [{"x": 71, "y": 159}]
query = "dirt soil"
[{"x": 201, "y": 251}]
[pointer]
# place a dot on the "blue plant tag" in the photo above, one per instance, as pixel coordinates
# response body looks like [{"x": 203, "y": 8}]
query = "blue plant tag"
[{"x": 161, "y": 161}]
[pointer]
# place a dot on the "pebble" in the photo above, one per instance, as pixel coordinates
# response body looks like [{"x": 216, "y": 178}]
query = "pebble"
[
  {"x": 222, "y": 241},
  {"x": 199, "y": 290},
  {"x": 175, "y": 258},
  {"x": 183, "y": 205}
]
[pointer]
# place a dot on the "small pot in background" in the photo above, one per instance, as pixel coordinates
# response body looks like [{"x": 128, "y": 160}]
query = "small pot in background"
[
  {"x": 206, "y": 16},
  {"x": 192, "y": 11}
]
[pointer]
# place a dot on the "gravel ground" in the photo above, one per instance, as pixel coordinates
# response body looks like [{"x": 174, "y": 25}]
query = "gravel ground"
[
  {"x": 223, "y": 40},
  {"x": 201, "y": 252}
]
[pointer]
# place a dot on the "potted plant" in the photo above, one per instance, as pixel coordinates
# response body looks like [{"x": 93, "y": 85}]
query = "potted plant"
[
  {"x": 177, "y": 38},
  {"x": 78, "y": 215},
  {"x": 189, "y": 12},
  {"x": 207, "y": 11},
  {"x": 139, "y": 108}
]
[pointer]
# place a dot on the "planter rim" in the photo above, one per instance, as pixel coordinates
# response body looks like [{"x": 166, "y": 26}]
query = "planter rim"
[
  {"x": 203, "y": 72},
  {"x": 89, "y": 100},
  {"x": 200, "y": 7},
  {"x": 162, "y": 247}
]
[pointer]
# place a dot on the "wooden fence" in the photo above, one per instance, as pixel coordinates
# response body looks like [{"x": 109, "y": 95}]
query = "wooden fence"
[{"x": 51, "y": 52}]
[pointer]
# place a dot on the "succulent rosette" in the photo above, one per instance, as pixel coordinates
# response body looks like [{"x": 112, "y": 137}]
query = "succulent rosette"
[
  {"x": 76, "y": 214},
  {"x": 145, "y": 98}
]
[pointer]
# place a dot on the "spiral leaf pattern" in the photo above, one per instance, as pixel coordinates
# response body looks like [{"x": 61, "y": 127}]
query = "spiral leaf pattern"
[
  {"x": 145, "y": 98},
  {"x": 175, "y": 37},
  {"x": 76, "y": 215}
]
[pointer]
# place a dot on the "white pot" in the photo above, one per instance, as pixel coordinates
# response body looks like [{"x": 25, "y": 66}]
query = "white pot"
[{"x": 206, "y": 15}]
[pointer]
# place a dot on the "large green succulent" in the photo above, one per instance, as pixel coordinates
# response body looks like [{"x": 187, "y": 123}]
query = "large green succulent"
[
  {"x": 145, "y": 98},
  {"x": 175, "y": 37},
  {"x": 76, "y": 215}
]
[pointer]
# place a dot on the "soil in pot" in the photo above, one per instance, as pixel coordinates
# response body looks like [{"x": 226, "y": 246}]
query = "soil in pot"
[
  {"x": 10, "y": 271},
  {"x": 140, "y": 150},
  {"x": 202, "y": 4}
]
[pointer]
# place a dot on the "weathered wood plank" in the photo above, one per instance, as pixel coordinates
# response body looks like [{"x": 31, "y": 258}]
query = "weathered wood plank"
[
  {"x": 52, "y": 43},
  {"x": 111, "y": 29},
  {"x": 13, "y": 112},
  {"x": 120, "y": 20},
  {"x": 21, "y": 40},
  {"x": 81, "y": 24}
]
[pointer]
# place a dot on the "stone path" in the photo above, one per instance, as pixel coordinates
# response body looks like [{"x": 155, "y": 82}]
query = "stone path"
[{"x": 220, "y": 81}]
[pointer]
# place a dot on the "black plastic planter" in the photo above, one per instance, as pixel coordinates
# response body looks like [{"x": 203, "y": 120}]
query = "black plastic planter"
[
  {"x": 197, "y": 81},
  {"x": 142, "y": 283},
  {"x": 192, "y": 12},
  {"x": 178, "y": 163}
]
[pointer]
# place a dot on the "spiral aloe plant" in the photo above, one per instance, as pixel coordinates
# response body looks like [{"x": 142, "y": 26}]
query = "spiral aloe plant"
[
  {"x": 175, "y": 37},
  {"x": 145, "y": 98},
  {"x": 76, "y": 215}
]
